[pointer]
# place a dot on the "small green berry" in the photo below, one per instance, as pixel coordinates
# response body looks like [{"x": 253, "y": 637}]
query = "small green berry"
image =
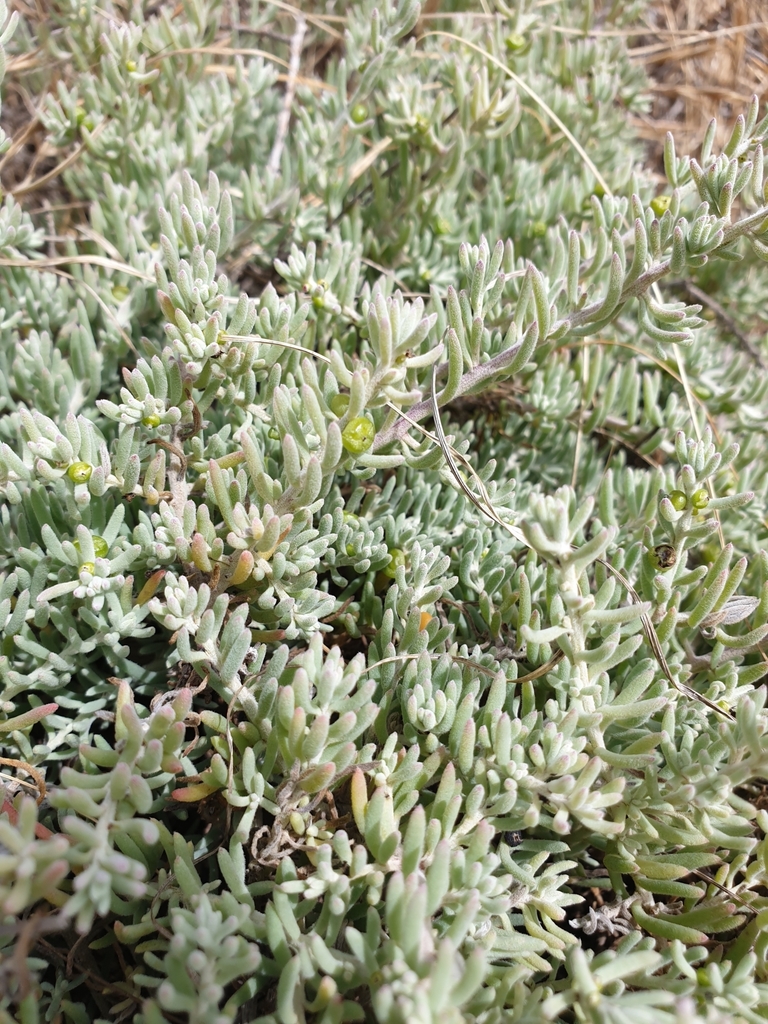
[
  {"x": 339, "y": 404},
  {"x": 538, "y": 229},
  {"x": 515, "y": 42},
  {"x": 151, "y": 421},
  {"x": 357, "y": 437},
  {"x": 359, "y": 113},
  {"x": 660, "y": 204},
  {"x": 700, "y": 499},
  {"x": 130, "y": 65},
  {"x": 396, "y": 559},
  {"x": 678, "y": 500},
  {"x": 120, "y": 292},
  {"x": 273, "y": 434},
  {"x": 442, "y": 226},
  {"x": 80, "y": 472},
  {"x": 83, "y": 119},
  {"x": 88, "y": 567},
  {"x": 100, "y": 546}
]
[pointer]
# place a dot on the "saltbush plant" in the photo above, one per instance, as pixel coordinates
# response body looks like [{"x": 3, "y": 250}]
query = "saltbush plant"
[{"x": 382, "y": 533}]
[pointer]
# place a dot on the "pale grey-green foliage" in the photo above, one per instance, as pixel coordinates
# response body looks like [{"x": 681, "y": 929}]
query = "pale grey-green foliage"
[{"x": 292, "y": 694}]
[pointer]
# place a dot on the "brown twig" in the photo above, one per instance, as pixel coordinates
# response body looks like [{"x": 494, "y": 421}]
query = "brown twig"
[
  {"x": 36, "y": 775},
  {"x": 15, "y": 967},
  {"x": 727, "y": 321},
  {"x": 19, "y": 140},
  {"x": 96, "y": 985},
  {"x": 73, "y": 953},
  {"x": 32, "y": 186}
]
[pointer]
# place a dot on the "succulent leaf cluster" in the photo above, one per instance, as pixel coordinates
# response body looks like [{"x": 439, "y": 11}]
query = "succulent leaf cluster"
[{"x": 383, "y": 572}]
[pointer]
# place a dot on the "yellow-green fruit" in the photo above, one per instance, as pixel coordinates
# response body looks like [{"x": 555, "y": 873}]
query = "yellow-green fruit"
[
  {"x": 339, "y": 404},
  {"x": 396, "y": 559},
  {"x": 660, "y": 205},
  {"x": 80, "y": 472},
  {"x": 357, "y": 437},
  {"x": 359, "y": 113},
  {"x": 151, "y": 421},
  {"x": 515, "y": 42},
  {"x": 538, "y": 229},
  {"x": 100, "y": 546},
  {"x": 700, "y": 499},
  {"x": 679, "y": 500},
  {"x": 88, "y": 567}
]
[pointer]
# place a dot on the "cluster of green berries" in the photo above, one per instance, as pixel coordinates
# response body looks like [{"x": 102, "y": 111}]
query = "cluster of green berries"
[
  {"x": 100, "y": 549},
  {"x": 698, "y": 500}
]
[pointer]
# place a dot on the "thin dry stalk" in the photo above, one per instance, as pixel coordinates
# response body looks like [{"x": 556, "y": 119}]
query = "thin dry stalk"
[
  {"x": 284, "y": 118},
  {"x": 485, "y": 505}
]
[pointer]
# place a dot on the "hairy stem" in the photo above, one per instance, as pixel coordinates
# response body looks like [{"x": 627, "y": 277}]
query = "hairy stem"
[{"x": 478, "y": 374}]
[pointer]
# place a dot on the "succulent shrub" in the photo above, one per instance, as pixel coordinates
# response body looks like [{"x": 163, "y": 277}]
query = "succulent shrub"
[{"x": 383, "y": 570}]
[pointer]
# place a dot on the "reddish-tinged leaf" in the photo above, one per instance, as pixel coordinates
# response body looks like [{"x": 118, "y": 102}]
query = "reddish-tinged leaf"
[
  {"x": 28, "y": 718},
  {"x": 191, "y": 794}
]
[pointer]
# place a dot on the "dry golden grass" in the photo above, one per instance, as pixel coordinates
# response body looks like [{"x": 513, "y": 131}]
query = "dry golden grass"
[{"x": 705, "y": 59}]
